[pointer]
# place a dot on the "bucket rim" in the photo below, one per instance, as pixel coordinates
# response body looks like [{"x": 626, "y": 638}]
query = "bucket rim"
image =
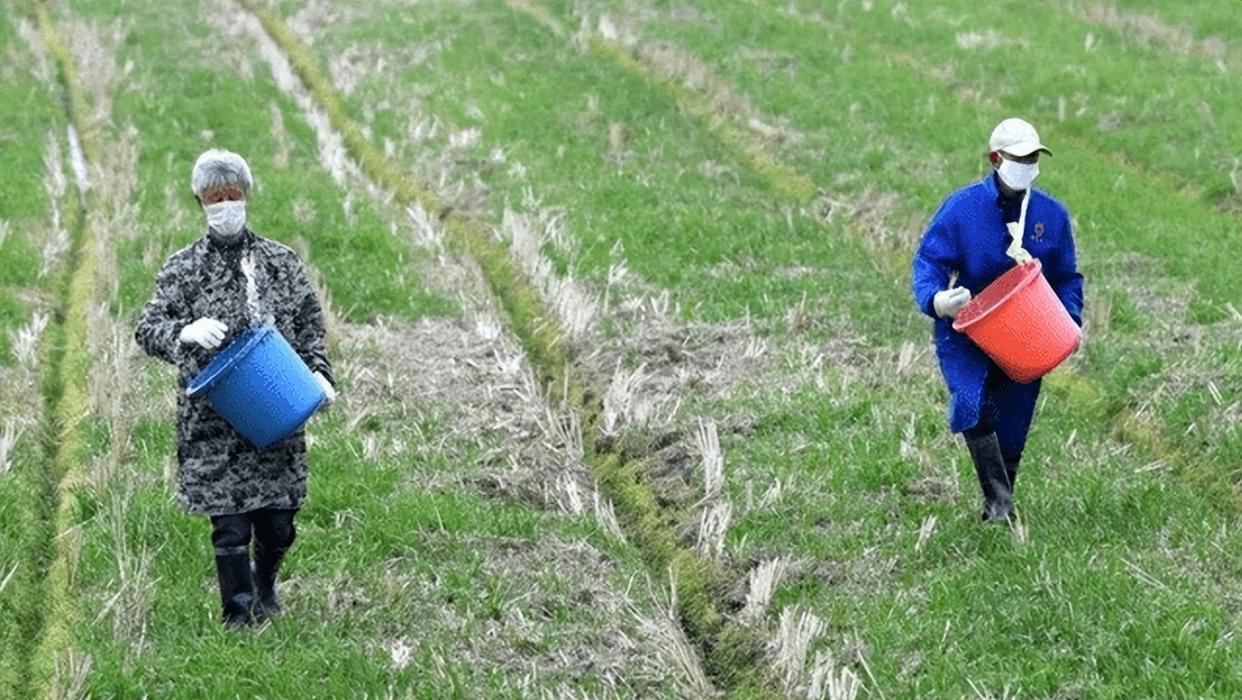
[
  {"x": 1030, "y": 271},
  {"x": 223, "y": 363}
]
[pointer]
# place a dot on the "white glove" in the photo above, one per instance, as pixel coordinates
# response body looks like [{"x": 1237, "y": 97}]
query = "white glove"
[
  {"x": 205, "y": 332},
  {"x": 326, "y": 386},
  {"x": 950, "y": 301}
]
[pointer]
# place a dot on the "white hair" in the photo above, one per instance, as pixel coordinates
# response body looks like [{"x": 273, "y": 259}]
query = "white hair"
[{"x": 217, "y": 168}]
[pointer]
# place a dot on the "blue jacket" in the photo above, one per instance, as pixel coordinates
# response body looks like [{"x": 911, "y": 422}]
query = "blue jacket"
[{"x": 968, "y": 236}]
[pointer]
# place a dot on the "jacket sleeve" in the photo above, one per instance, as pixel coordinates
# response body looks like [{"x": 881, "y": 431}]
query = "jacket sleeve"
[
  {"x": 1064, "y": 277},
  {"x": 163, "y": 316},
  {"x": 308, "y": 329},
  {"x": 937, "y": 257}
]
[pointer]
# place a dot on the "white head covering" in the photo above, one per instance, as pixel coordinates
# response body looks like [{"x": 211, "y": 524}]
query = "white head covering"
[
  {"x": 1016, "y": 137},
  {"x": 216, "y": 168}
]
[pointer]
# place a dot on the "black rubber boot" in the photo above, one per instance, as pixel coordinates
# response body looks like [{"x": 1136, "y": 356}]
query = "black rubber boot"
[
  {"x": 266, "y": 567},
  {"x": 1011, "y": 470},
  {"x": 274, "y": 533},
  {"x": 236, "y": 586},
  {"x": 994, "y": 480}
]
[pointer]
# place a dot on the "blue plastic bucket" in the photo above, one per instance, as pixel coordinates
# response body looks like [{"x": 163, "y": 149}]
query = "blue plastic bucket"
[{"x": 260, "y": 386}]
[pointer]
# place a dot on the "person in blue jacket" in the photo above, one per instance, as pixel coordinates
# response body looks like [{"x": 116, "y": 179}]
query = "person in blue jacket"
[{"x": 980, "y": 232}]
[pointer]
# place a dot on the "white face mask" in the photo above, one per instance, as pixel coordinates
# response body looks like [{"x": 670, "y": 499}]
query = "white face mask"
[
  {"x": 1017, "y": 176},
  {"x": 226, "y": 218}
]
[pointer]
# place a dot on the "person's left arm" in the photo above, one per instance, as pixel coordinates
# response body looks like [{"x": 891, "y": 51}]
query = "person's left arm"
[
  {"x": 307, "y": 336},
  {"x": 1063, "y": 275}
]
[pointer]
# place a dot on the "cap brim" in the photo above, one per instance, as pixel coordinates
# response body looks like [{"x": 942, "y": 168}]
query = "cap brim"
[{"x": 1023, "y": 150}]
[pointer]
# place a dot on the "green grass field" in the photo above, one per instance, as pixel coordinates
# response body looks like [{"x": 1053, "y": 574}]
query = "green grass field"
[{"x": 697, "y": 219}]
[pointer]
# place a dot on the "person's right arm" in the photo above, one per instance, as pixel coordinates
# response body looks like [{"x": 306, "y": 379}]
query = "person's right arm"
[
  {"x": 937, "y": 257},
  {"x": 163, "y": 316}
]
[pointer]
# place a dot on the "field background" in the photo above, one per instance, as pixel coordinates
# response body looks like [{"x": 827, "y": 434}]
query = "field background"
[{"x": 634, "y": 399}]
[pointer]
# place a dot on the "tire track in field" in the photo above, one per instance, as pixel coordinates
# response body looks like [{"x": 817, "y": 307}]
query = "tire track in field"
[
  {"x": 24, "y": 434},
  {"x": 734, "y": 651},
  {"x": 1083, "y": 392},
  {"x": 66, "y": 391},
  {"x": 732, "y": 120}
]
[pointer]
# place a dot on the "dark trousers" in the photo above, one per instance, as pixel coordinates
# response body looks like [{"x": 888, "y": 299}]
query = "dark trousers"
[
  {"x": 1006, "y": 411},
  {"x": 270, "y": 528},
  {"x": 248, "y": 584}
]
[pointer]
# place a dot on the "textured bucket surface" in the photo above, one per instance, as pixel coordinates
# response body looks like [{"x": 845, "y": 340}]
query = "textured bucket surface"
[
  {"x": 260, "y": 386},
  {"x": 1021, "y": 324}
]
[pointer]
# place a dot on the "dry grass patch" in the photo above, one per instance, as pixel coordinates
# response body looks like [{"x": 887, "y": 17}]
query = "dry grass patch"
[
  {"x": 475, "y": 383},
  {"x": 1149, "y": 30},
  {"x": 544, "y": 617}
]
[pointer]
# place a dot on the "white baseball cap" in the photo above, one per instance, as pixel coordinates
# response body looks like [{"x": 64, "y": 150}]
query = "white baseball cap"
[{"x": 1016, "y": 137}]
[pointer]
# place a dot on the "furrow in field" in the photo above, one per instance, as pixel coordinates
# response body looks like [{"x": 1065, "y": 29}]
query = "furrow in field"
[
  {"x": 783, "y": 181},
  {"x": 53, "y": 665},
  {"x": 33, "y": 240}
]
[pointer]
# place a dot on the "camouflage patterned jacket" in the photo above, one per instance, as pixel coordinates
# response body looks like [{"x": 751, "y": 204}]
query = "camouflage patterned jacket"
[{"x": 220, "y": 472}]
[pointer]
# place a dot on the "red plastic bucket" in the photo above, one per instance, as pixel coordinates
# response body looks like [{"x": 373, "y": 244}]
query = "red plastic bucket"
[{"x": 1021, "y": 324}]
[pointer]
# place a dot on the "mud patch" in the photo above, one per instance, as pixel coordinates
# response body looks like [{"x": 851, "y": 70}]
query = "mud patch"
[
  {"x": 940, "y": 489},
  {"x": 660, "y": 376}
]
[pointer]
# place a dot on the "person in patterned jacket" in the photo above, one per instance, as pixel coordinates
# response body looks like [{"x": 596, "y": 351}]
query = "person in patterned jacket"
[{"x": 206, "y": 294}]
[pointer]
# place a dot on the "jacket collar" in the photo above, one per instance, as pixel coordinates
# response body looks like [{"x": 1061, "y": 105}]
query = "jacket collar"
[{"x": 242, "y": 240}]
